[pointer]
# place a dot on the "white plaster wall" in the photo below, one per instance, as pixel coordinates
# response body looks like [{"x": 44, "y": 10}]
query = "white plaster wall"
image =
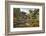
[{"x": 2, "y": 17}]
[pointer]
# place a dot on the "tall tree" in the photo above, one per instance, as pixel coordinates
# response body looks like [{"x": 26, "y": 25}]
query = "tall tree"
[
  {"x": 16, "y": 12},
  {"x": 34, "y": 13}
]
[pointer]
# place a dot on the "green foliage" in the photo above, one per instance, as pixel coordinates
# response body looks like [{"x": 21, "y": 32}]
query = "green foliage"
[
  {"x": 34, "y": 13},
  {"x": 30, "y": 11},
  {"x": 16, "y": 12}
]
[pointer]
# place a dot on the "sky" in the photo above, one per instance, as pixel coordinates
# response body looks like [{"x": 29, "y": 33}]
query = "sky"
[{"x": 26, "y": 10}]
